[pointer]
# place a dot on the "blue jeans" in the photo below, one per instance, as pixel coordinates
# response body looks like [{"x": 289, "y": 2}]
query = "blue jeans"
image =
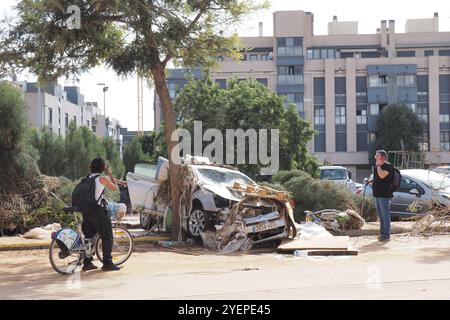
[{"x": 382, "y": 206}]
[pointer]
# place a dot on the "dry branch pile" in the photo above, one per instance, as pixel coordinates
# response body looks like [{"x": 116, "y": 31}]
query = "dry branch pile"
[{"x": 436, "y": 221}]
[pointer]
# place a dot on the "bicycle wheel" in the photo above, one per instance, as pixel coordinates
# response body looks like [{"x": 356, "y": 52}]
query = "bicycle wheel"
[
  {"x": 123, "y": 245},
  {"x": 62, "y": 261}
]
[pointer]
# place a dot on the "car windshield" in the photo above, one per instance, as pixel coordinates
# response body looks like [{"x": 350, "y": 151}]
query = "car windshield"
[
  {"x": 145, "y": 169},
  {"x": 431, "y": 179},
  {"x": 333, "y": 174},
  {"x": 212, "y": 176}
]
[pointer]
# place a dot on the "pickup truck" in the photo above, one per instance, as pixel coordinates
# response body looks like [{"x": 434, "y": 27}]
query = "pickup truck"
[{"x": 211, "y": 203}]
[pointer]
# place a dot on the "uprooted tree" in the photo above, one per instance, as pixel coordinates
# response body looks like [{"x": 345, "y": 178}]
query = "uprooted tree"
[
  {"x": 66, "y": 37},
  {"x": 21, "y": 186}
]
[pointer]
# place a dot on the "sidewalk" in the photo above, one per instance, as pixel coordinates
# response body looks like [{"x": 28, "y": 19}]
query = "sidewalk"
[
  {"x": 19, "y": 243},
  {"x": 373, "y": 229}
]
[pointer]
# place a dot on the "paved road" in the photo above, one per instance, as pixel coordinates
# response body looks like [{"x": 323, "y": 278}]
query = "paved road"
[{"x": 408, "y": 268}]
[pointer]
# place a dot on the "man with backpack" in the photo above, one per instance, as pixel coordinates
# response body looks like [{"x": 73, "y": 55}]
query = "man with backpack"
[
  {"x": 385, "y": 182},
  {"x": 88, "y": 198}
]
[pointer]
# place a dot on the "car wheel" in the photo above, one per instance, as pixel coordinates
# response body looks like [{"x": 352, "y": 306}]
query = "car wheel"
[{"x": 196, "y": 223}]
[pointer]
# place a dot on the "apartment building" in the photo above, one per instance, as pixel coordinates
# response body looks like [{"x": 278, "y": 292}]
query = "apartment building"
[
  {"x": 341, "y": 81},
  {"x": 55, "y": 107},
  {"x": 105, "y": 126}
]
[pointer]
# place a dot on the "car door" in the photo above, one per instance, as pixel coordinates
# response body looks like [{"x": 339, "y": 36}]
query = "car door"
[
  {"x": 404, "y": 203},
  {"x": 142, "y": 186}
]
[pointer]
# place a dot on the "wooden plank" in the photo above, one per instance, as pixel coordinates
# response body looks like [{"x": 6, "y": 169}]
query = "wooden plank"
[
  {"x": 332, "y": 252},
  {"x": 318, "y": 243}
]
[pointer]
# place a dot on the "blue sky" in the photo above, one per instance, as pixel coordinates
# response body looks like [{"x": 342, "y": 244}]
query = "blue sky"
[{"x": 121, "y": 99}]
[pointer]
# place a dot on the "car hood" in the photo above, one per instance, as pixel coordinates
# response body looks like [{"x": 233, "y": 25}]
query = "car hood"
[{"x": 223, "y": 191}]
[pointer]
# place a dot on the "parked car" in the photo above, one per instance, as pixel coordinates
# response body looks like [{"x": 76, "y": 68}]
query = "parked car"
[
  {"x": 339, "y": 175},
  {"x": 418, "y": 189},
  {"x": 443, "y": 170},
  {"x": 211, "y": 202}
]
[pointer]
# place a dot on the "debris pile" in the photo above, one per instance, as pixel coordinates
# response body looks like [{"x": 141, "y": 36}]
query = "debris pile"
[
  {"x": 436, "y": 221},
  {"x": 258, "y": 202},
  {"x": 336, "y": 220},
  {"x": 231, "y": 236},
  {"x": 41, "y": 233},
  {"x": 242, "y": 215}
]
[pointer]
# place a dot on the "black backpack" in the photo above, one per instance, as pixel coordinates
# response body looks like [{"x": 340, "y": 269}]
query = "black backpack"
[
  {"x": 83, "y": 196},
  {"x": 396, "y": 180}
]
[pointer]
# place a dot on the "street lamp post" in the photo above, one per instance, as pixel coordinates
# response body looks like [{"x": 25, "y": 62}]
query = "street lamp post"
[{"x": 105, "y": 88}]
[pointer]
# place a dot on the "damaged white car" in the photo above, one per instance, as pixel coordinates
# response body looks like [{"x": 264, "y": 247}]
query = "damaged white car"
[{"x": 263, "y": 214}]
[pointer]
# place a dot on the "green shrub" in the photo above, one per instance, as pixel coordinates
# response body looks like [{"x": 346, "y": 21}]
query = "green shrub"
[
  {"x": 284, "y": 176},
  {"x": 313, "y": 194},
  {"x": 275, "y": 186}
]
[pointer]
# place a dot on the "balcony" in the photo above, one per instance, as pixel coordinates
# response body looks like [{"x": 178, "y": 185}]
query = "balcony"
[
  {"x": 407, "y": 94},
  {"x": 290, "y": 60},
  {"x": 377, "y": 95}
]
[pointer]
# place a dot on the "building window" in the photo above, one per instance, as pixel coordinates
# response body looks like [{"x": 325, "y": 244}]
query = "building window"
[
  {"x": 445, "y": 140},
  {"x": 66, "y": 121},
  {"x": 88, "y": 123},
  {"x": 361, "y": 116},
  {"x": 319, "y": 116},
  {"x": 296, "y": 99},
  {"x": 361, "y": 94},
  {"x": 406, "y": 54},
  {"x": 290, "y": 75},
  {"x": 316, "y": 54},
  {"x": 340, "y": 115},
  {"x": 172, "y": 90},
  {"x": 222, "y": 83},
  {"x": 374, "y": 109},
  {"x": 412, "y": 106},
  {"x": 75, "y": 119},
  {"x": 253, "y": 57},
  {"x": 290, "y": 47},
  {"x": 50, "y": 117},
  {"x": 264, "y": 57},
  {"x": 444, "y": 118},
  {"x": 378, "y": 81},
  {"x": 406, "y": 80},
  {"x": 424, "y": 144},
  {"x": 422, "y": 112},
  {"x": 263, "y": 81},
  {"x": 444, "y": 53},
  {"x": 429, "y": 53}
]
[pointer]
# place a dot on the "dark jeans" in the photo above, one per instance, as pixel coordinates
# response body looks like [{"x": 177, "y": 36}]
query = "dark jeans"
[
  {"x": 382, "y": 206},
  {"x": 99, "y": 222}
]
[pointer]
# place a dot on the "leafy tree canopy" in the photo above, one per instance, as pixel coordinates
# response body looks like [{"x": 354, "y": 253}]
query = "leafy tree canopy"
[
  {"x": 247, "y": 105},
  {"x": 397, "y": 124}
]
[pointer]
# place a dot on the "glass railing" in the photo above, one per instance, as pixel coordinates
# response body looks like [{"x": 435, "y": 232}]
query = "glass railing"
[
  {"x": 290, "y": 51},
  {"x": 290, "y": 79}
]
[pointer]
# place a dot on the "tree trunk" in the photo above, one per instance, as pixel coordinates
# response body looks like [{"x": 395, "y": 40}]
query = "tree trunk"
[{"x": 159, "y": 78}]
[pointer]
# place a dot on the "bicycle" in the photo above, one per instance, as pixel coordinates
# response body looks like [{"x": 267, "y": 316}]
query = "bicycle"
[{"x": 68, "y": 247}]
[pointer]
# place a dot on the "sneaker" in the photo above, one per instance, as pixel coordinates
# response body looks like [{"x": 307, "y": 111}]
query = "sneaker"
[
  {"x": 383, "y": 239},
  {"x": 110, "y": 267},
  {"x": 89, "y": 266}
]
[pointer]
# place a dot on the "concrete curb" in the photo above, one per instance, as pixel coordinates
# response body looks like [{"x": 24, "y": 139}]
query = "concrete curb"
[
  {"x": 372, "y": 232},
  {"x": 46, "y": 245}
]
